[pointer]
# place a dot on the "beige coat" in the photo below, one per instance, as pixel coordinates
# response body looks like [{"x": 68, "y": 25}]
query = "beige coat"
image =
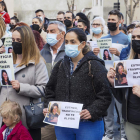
[{"x": 29, "y": 77}]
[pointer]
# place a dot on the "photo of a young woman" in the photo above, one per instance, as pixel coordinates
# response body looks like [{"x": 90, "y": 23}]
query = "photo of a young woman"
[
  {"x": 5, "y": 78},
  {"x": 52, "y": 117},
  {"x": 10, "y": 50},
  {"x": 106, "y": 55},
  {"x": 120, "y": 79}
]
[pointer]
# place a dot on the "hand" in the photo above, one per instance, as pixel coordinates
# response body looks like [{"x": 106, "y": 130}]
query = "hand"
[
  {"x": 111, "y": 75},
  {"x": 114, "y": 51},
  {"x": 124, "y": 80},
  {"x": 85, "y": 114},
  {"x": 136, "y": 90},
  {"x": 96, "y": 51},
  {"x": 15, "y": 84},
  {"x": 45, "y": 111},
  {"x": 2, "y": 50}
]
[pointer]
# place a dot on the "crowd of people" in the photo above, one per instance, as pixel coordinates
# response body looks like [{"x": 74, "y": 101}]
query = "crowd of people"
[{"x": 54, "y": 58}]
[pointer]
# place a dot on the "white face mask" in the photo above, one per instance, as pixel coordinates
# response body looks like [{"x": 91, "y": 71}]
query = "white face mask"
[{"x": 52, "y": 39}]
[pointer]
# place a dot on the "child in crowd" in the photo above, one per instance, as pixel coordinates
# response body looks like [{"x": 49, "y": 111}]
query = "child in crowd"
[
  {"x": 12, "y": 128},
  {"x": 3, "y": 12}
]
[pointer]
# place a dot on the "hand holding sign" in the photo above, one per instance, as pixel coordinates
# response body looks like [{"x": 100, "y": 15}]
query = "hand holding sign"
[
  {"x": 136, "y": 90},
  {"x": 85, "y": 114},
  {"x": 114, "y": 51},
  {"x": 111, "y": 75},
  {"x": 15, "y": 84},
  {"x": 45, "y": 111},
  {"x": 96, "y": 51}
]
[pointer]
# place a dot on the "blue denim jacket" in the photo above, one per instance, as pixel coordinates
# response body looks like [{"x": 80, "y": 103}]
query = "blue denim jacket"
[{"x": 125, "y": 53}]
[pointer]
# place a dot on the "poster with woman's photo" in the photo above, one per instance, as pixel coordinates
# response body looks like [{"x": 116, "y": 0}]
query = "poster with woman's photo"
[
  {"x": 104, "y": 45},
  {"x": 63, "y": 114},
  {"x": 127, "y": 73},
  {"x": 6, "y": 69}
]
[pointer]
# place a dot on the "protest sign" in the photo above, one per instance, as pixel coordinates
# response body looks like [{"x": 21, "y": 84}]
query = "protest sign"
[
  {"x": 6, "y": 69},
  {"x": 63, "y": 114},
  {"x": 104, "y": 45},
  {"x": 92, "y": 44},
  {"x": 127, "y": 73},
  {"x": 8, "y": 44}
]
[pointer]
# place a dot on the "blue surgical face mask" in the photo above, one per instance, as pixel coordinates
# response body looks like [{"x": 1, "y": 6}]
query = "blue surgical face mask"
[
  {"x": 96, "y": 30},
  {"x": 129, "y": 37},
  {"x": 52, "y": 39},
  {"x": 72, "y": 50},
  {"x": 41, "y": 18},
  {"x": 120, "y": 25}
]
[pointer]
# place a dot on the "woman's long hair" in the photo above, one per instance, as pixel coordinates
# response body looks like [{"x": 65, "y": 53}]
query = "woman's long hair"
[
  {"x": 39, "y": 40},
  {"x": 30, "y": 51},
  {"x": 2, "y": 27},
  {"x": 55, "y": 104},
  {"x": 104, "y": 56},
  {"x": 3, "y": 81}
]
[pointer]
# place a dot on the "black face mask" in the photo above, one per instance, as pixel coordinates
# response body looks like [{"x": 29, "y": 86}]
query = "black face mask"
[
  {"x": 136, "y": 46},
  {"x": 35, "y": 27},
  {"x": 112, "y": 26},
  {"x": 12, "y": 26},
  {"x": 68, "y": 23},
  {"x": 17, "y": 47}
]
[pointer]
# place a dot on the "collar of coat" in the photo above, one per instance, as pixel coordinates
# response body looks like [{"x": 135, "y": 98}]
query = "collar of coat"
[
  {"x": 87, "y": 57},
  {"x": 14, "y": 131},
  {"x": 23, "y": 66},
  {"x": 47, "y": 47}
]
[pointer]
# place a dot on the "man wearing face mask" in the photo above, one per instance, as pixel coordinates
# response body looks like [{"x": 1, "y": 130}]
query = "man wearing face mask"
[
  {"x": 52, "y": 52},
  {"x": 119, "y": 41},
  {"x": 40, "y": 13},
  {"x": 69, "y": 20},
  {"x": 60, "y": 16}
]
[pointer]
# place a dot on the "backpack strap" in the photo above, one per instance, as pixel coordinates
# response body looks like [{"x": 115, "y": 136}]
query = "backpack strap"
[{"x": 91, "y": 75}]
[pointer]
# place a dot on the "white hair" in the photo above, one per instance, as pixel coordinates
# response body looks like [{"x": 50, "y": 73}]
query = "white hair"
[
  {"x": 60, "y": 25},
  {"x": 105, "y": 29}
]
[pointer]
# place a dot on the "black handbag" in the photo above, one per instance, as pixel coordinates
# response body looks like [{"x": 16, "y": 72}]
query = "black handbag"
[{"x": 34, "y": 113}]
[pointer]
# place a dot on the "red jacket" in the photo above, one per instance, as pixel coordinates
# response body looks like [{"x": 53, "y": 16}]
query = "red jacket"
[
  {"x": 6, "y": 17},
  {"x": 19, "y": 132}
]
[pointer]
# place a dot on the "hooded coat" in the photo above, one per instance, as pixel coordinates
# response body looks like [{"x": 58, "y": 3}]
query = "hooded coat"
[{"x": 80, "y": 87}]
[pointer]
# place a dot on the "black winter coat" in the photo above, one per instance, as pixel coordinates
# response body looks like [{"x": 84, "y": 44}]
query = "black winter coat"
[{"x": 78, "y": 87}]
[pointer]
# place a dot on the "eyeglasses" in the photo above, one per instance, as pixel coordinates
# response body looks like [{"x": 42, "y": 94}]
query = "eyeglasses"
[
  {"x": 96, "y": 25},
  {"x": 135, "y": 36}
]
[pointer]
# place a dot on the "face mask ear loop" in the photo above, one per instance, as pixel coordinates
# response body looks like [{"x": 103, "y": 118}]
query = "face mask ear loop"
[{"x": 58, "y": 34}]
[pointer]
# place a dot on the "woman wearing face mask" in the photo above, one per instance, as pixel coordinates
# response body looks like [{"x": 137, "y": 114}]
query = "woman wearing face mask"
[
  {"x": 13, "y": 21},
  {"x": 98, "y": 27},
  {"x": 30, "y": 73},
  {"x": 37, "y": 26},
  {"x": 130, "y": 97},
  {"x": 80, "y": 78}
]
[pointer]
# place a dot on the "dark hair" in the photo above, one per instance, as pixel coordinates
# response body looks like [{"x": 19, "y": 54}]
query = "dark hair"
[
  {"x": 81, "y": 36},
  {"x": 84, "y": 17},
  {"x": 131, "y": 26},
  {"x": 122, "y": 15},
  {"x": 9, "y": 49},
  {"x": 4, "y": 4},
  {"x": 124, "y": 29},
  {"x": 117, "y": 67},
  {"x": 55, "y": 104},
  {"x": 3, "y": 81},
  {"x": 109, "y": 58},
  {"x": 39, "y": 10},
  {"x": 83, "y": 21},
  {"x": 39, "y": 41},
  {"x": 15, "y": 18},
  {"x": 60, "y": 12},
  {"x": 115, "y": 12},
  {"x": 38, "y": 19},
  {"x": 71, "y": 13}
]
